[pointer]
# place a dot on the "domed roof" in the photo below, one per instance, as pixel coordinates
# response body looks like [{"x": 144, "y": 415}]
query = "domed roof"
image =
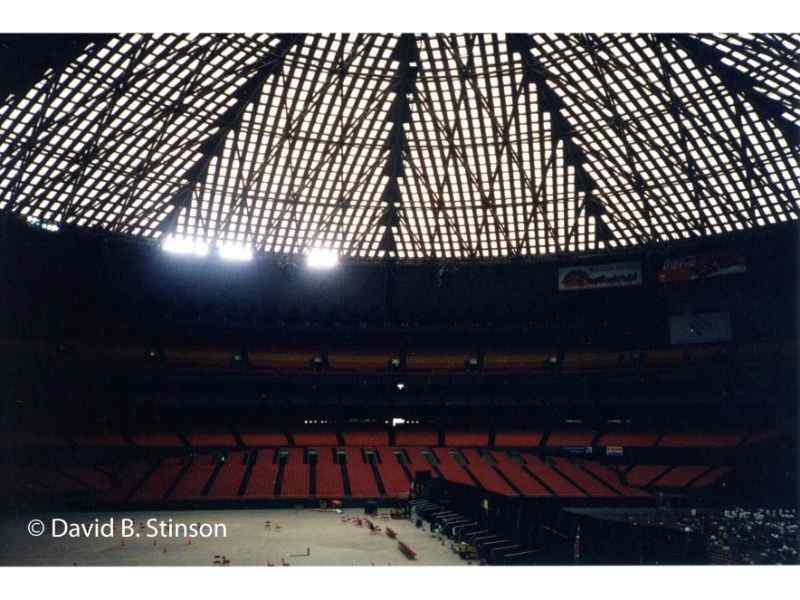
[{"x": 460, "y": 146}]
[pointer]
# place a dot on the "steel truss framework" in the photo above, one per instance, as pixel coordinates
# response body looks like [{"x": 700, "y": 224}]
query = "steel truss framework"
[{"x": 476, "y": 146}]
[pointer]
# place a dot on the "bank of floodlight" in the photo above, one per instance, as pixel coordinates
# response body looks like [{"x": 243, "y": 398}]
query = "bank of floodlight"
[
  {"x": 175, "y": 244},
  {"x": 322, "y": 259},
  {"x": 235, "y": 252}
]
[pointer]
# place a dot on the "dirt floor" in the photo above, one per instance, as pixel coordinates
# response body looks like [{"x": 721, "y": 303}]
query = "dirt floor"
[{"x": 250, "y": 537}]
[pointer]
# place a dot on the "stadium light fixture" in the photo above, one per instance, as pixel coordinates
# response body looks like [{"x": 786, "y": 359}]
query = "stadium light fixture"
[
  {"x": 322, "y": 258},
  {"x": 235, "y": 252},
  {"x": 179, "y": 245}
]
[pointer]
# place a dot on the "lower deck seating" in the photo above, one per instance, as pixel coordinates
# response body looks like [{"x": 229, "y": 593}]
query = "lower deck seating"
[
  {"x": 395, "y": 480},
  {"x": 269, "y": 473},
  {"x": 329, "y": 475},
  {"x": 262, "y": 476},
  {"x": 230, "y": 476}
]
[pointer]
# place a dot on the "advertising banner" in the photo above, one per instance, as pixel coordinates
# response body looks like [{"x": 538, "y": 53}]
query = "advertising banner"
[
  {"x": 702, "y": 266},
  {"x": 590, "y": 277}
]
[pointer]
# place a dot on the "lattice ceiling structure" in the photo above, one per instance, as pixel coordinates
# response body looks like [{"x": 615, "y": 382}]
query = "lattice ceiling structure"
[{"x": 414, "y": 146}]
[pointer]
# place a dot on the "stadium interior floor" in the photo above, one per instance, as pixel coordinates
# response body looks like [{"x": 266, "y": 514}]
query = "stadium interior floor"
[{"x": 298, "y": 537}]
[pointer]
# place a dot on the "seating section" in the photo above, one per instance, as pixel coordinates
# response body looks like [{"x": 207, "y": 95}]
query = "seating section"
[
  {"x": 465, "y": 438},
  {"x": 329, "y": 475},
  {"x": 315, "y": 438},
  {"x": 263, "y": 475},
  {"x": 362, "y": 479},
  {"x": 259, "y": 439},
  {"x": 366, "y": 438},
  {"x": 404, "y": 437},
  {"x": 628, "y": 439},
  {"x": 489, "y": 479},
  {"x": 570, "y": 438},
  {"x": 194, "y": 480},
  {"x": 512, "y": 439},
  {"x": 416, "y": 438},
  {"x": 700, "y": 440},
  {"x": 551, "y": 478},
  {"x": 295, "y": 476},
  {"x": 160, "y": 481},
  {"x": 230, "y": 476},
  {"x": 211, "y": 439},
  {"x": 527, "y": 485},
  {"x": 395, "y": 480}
]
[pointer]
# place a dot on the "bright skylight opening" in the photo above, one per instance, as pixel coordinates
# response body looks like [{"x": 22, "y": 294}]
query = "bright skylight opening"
[{"x": 488, "y": 167}]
